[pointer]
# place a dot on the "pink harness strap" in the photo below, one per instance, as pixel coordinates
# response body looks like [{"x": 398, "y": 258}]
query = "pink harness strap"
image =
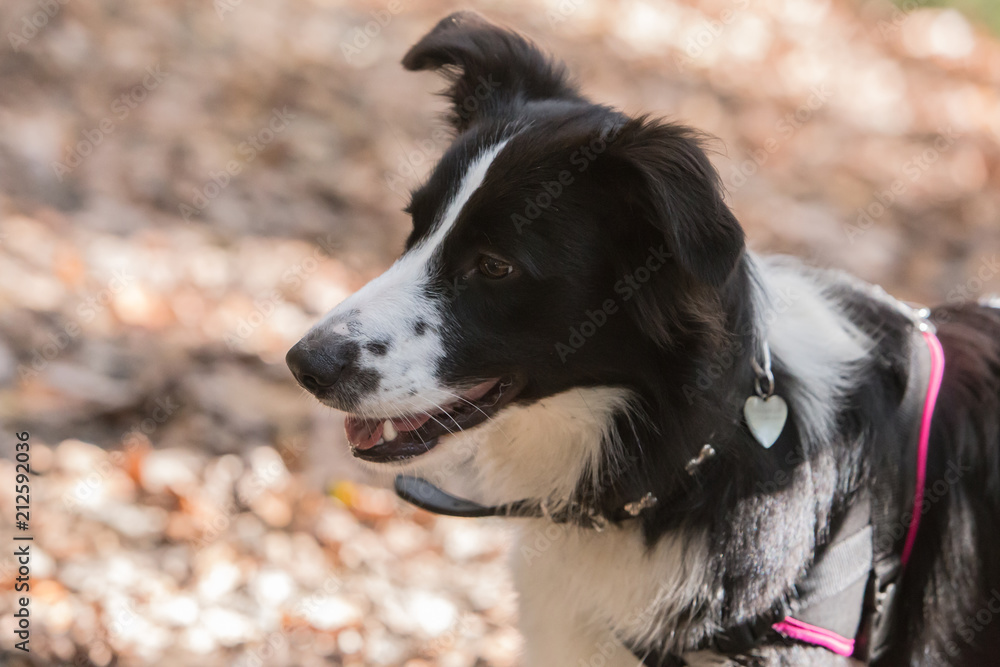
[
  {"x": 933, "y": 387},
  {"x": 817, "y": 636}
]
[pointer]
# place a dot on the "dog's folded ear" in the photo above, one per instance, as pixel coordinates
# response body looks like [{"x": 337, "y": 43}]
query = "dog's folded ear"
[
  {"x": 673, "y": 228},
  {"x": 490, "y": 67},
  {"x": 666, "y": 178}
]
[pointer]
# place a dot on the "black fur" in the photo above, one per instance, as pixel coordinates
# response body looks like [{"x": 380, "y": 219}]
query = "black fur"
[
  {"x": 579, "y": 200},
  {"x": 492, "y": 70}
]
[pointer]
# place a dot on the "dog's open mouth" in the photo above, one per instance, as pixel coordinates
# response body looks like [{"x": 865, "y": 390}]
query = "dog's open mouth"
[{"x": 406, "y": 436}]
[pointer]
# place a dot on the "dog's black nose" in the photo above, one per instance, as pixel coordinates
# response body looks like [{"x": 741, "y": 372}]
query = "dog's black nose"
[{"x": 318, "y": 364}]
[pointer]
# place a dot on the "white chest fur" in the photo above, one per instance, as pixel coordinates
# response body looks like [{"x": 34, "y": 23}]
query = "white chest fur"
[{"x": 580, "y": 590}]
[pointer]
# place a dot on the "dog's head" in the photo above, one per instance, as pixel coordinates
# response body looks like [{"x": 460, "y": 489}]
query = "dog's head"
[{"x": 558, "y": 244}]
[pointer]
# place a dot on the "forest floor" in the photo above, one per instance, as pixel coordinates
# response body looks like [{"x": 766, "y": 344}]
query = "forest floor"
[{"x": 186, "y": 187}]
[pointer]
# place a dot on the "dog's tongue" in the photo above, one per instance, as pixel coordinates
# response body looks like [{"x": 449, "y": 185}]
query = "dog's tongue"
[{"x": 364, "y": 433}]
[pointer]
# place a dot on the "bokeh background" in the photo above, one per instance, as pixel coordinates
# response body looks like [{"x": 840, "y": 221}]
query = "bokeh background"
[{"x": 186, "y": 186}]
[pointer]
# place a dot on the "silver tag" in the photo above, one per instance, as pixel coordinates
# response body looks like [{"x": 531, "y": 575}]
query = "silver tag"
[{"x": 766, "y": 418}]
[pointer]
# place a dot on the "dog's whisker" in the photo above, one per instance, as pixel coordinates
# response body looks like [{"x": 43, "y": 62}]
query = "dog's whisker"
[
  {"x": 648, "y": 472},
  {"x": 442, "y": 410},
  {"x": 417, "y": 432},
  {"x": 489, "y": 417},
  {"x": 430, "y": 415}
]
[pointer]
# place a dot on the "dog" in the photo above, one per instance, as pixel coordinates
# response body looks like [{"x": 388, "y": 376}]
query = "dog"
[{"x": 712, "y": 457}]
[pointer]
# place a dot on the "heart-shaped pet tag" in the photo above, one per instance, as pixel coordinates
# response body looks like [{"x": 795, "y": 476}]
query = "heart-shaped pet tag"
[{"x": 766, "y": 418}]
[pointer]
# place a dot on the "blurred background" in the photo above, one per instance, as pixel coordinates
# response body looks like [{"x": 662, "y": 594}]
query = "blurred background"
[{"x": 186, "y": 186}]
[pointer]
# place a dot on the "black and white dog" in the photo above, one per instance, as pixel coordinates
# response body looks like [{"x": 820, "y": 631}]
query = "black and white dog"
[{"x": 717, "y": 458}]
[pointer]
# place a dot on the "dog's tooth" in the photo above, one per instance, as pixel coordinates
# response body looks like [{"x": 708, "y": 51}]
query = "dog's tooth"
[{"x": 389, "y": 431}]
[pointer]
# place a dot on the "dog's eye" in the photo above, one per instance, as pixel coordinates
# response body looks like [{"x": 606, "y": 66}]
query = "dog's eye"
[{"x": 494, "y": 268}]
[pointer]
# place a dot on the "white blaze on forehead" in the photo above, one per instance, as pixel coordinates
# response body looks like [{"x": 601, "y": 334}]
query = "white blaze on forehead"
[
  {"x": 388, "y": 308},
  {"x": 473, "y": 179}
]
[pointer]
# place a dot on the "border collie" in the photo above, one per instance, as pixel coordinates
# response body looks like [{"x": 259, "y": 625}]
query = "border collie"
[{"x": 713, "y": 457}]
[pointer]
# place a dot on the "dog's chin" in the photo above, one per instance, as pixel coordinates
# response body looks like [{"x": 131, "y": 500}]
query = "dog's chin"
[{"x": 400, "y": 440}]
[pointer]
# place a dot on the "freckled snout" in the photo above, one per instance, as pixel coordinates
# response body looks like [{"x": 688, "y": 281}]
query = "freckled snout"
[{"x": 319, "y": 363}]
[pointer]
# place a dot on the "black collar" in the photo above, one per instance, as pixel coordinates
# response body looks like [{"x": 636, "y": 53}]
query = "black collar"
[
  {"x": 418, "y": 491},
  {"x": 854, "y": 581}
]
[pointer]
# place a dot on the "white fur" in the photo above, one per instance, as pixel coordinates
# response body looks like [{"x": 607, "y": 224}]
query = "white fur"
[
  {"x": 537, "y": 451},
  {"x": 545, "y": 449},
  {"x": 388, "y": 307},
  {"x": 580, "y": 589},
  {"x": 808, "y": 334}
]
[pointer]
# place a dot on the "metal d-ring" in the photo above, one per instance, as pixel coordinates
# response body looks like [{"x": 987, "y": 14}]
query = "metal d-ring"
[{"x": 763, "y": 373}]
